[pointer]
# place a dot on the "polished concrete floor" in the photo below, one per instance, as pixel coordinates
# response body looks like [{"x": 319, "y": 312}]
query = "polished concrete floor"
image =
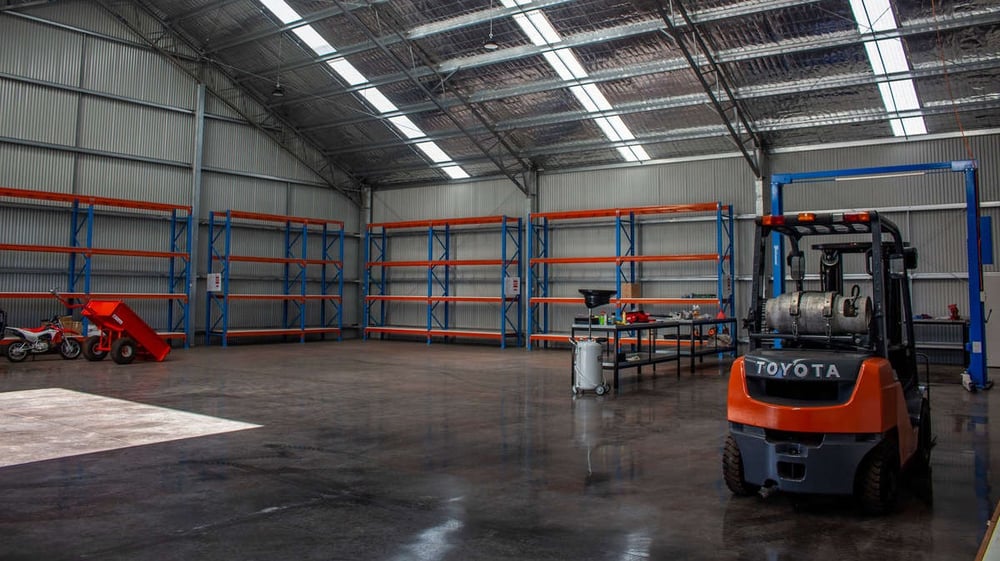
[{"x": 398, "y": 451}]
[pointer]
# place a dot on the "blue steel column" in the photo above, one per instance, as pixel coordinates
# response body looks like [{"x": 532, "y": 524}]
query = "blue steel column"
[
  {"x": 977, "y": 354},
  {"x": 170, "y": 269},
  {"x": 87, "y": 257},
  {"x": 430, "y": 280},
  {"x": 225, "y": 279},
  {"x": 189, "y": 272},
  {"x": 520, "y": 271},
  {"x": 719, "y": 267},
  {"x": 528, "y": 290},
  {"x": 340, "y": 283},
  {"x": 74, "y": 232},
  {"x": 777, "y": 242},
  {"x": 286, "y": 282},
  {"x": 209, "y": 296},
  {"x": 366, "y": 286},
  {"x": 503, "y": 283},
  {"x": 193, "y": 232},
  {"x": 303, "y": 272}
]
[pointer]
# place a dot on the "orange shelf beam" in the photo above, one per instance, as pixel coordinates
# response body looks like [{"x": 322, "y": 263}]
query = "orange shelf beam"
[
  {"x": 625, "y": 259},
  {"x": 88, "y": 199},
  {"x": 579, "y": 300},
  {"x": 440, "y": 263},
  {"x": 439, "y": 222},
  {"x": 263, "y": 217},
  {"x": 91, "y": 250},
  {"x": 264, "y": 332},
  {"x": 281, "y": 260},
  {"x": 423, "y": 299},
  {"x": 96, "y": 295},
  {"x": 286, "y": 297},
  {"x": 612, "y": 212},
  {"x": 439, "y": 332}
]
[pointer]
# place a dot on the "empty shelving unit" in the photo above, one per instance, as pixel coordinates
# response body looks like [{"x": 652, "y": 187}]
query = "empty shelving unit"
[
  {"x": 430, "y": 304},
  {"x": 118, "y": 249},
  {"x": 282, "y": 269},
  {"x": 610, "y": 239}
]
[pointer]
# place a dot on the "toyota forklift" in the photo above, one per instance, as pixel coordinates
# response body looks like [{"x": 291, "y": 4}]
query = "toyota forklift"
[{"x": 827, "y": 398}]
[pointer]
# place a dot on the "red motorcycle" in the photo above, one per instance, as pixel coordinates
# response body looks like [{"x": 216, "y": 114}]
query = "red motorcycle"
[{"x": 50, "y": 337}]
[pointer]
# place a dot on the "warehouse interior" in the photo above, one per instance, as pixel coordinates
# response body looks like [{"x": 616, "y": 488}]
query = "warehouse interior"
[{"x": 340, "y": 244}]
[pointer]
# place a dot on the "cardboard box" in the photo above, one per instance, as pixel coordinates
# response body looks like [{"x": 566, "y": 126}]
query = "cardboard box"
[
  {"x": 70, "y": 325},
  {"x": 631, "y": 290}
]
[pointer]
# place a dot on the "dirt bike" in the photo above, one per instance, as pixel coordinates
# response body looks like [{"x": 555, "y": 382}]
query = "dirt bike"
[{"x": 50, "y": 337}]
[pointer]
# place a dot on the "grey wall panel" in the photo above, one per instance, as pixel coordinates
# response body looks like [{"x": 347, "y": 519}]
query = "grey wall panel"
[
  {"x": 125, "y": 128},
  {"x": 322, "y": 202},
  {"x": 38, "y": 51},
  {"x": 233, "y": 146},
  {"x": 727, "y": 180},
  {"x": 221, "y": 192},
  {"x": 485, "y": 198},
  {"x": 37, "y": 113},
  {"x": 136, "y": 73},
  {"x": 25, "y": 167},
  {"x": 217, "y": 107},
  {"x": 83, "y": 14},
  {"x": 127, "y": 179}
]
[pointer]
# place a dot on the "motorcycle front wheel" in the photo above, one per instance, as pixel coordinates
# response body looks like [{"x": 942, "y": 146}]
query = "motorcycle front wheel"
[
  {"x": 18, "y": 351},
  {"x": 70, "y": 348}
]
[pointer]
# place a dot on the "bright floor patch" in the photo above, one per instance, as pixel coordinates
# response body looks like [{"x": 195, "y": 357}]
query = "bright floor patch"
[{"x": 55, "y": 423}]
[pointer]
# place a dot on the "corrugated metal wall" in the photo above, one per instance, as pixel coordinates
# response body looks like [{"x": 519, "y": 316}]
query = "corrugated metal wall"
[{"x": 92, "y": 111}]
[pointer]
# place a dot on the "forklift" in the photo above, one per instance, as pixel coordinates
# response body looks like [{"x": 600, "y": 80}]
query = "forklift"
[{"x": 827, "y": 398}]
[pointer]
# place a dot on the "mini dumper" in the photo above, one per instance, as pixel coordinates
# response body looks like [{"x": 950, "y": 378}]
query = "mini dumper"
[{"x": 124, "y": 335}]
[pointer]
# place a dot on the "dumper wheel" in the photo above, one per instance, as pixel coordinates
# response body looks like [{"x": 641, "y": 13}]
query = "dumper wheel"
[
  {"x": 732, "y": 470},
  {"x": 123, "y": 350},
  {"x": 70, "y": 348},
  {"x": 90, "y": 351},
  {"x": 877, "y": 484}
]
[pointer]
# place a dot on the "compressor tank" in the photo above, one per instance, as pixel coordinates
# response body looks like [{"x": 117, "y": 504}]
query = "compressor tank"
[{"x": 818, "y": 313}]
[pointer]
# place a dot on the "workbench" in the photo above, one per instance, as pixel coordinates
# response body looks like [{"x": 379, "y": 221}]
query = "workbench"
[
  {"x": 697, "y": 345},
  {"x": 614, "y": 359}
]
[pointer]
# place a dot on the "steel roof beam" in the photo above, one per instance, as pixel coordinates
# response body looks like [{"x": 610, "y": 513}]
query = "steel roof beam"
[
  {"x": 244, "y": 38},
  {"x": 715, "y": 81},
  {"x": 579, "y": 40},
  {"x": 402, "y": 65},
  {"x": 987, "y": 16},
  {"x": 201, "y": 10}
]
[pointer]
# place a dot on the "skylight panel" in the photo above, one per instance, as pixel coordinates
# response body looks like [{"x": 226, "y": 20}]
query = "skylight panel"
[
  {"x": 378, "y": 100},
  {"x": 313, "y": 39},
  {"x": 407, "y": 127},
  {"x": 347, "y": 72},
  {"x": 887, "y": 57},
  {"x": 455, "y": 172},
  {"x": 541, "y": 33},
  {"x": 873, "y": 15},
  {"x": 281, "y": 10},
  {"x": 433, "y": 151},
  {"x": 373, "y": 96}
]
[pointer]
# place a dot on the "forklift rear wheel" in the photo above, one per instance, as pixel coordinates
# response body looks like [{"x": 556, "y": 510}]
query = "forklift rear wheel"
[
  {"x": 922, "y": 459},
  {"x": 123, "y": 350},
  {"x": 732, "y": 470},
  {"x": 90, "y": 351},
  {"x": 878, "y": 478}
]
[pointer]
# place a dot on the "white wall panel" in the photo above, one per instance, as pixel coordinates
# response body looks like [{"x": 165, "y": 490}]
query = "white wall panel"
[{"x": 486, "y": 198}]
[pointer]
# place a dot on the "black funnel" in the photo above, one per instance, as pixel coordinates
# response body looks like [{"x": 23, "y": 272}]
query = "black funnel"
[{"x": 594, "y": 297}]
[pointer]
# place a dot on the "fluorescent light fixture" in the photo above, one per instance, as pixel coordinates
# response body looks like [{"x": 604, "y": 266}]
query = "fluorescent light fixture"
[
  {"x": 281, "y": 10},
  {"x": 347, "y": 71},
  {"x": 407, "y": 127},
  {"x": 315, "y": 42},
  {"x": 378, "y": 100},
  {"x": 873, "y": 15},
  {"x": 433, "y": 151},
  {"x": 455, "y": 172}
]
